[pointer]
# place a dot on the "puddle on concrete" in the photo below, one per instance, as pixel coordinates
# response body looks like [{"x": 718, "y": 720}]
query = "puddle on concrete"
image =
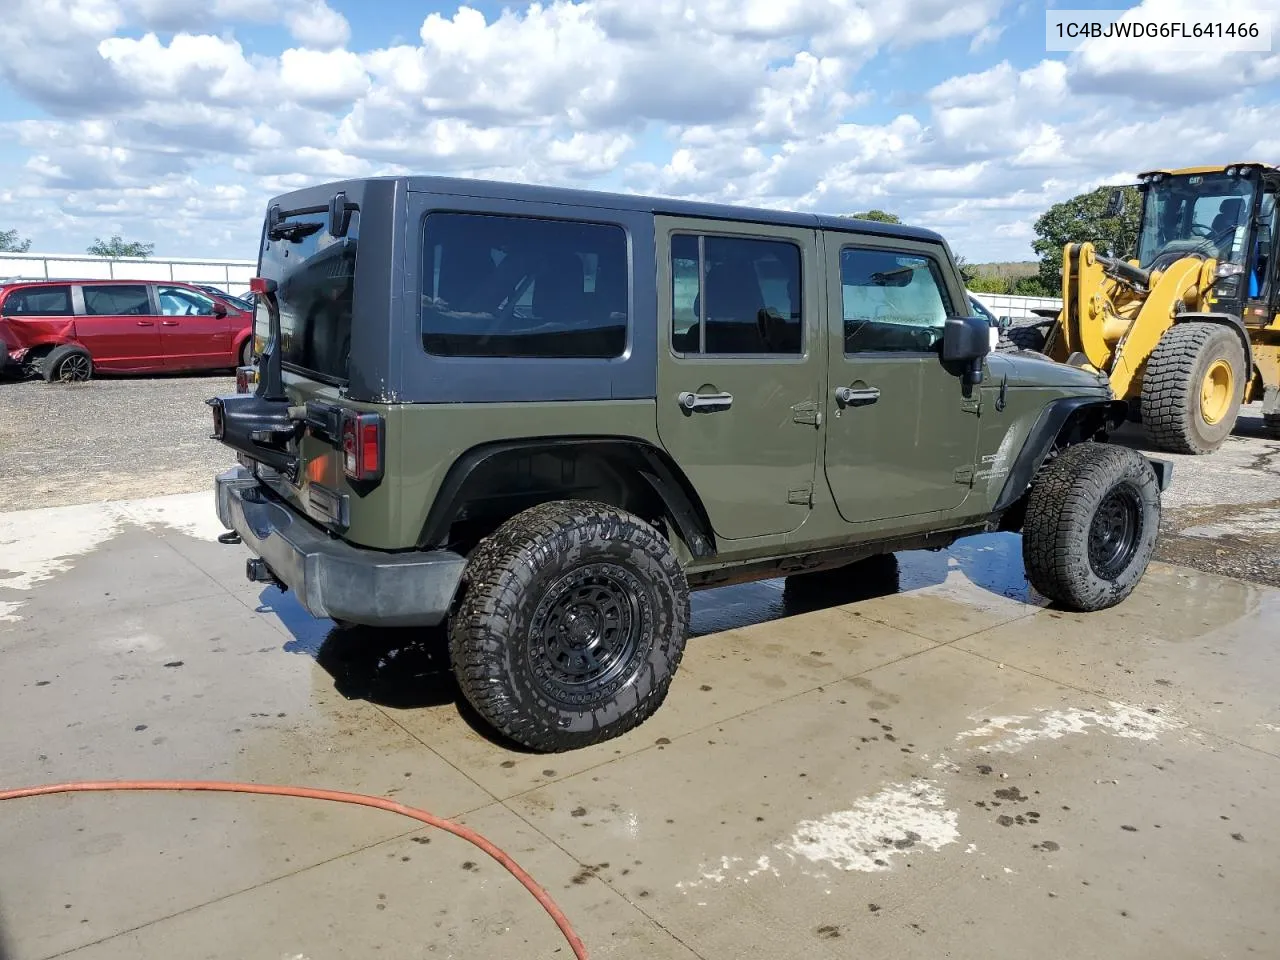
[{"x": 991, "y": 562}]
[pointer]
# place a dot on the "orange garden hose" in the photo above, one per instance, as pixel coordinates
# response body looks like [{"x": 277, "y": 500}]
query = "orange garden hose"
[{"x": 337, "y": 796}]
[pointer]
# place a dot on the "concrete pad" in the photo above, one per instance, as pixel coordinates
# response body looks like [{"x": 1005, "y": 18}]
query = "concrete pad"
[
  {"x": 926, "y": 764},
  {"x": 192, "y": 689},
  {"x": 1188, "y": 643},
  {"x": 426, "y": 894},
  {"x": 722, "y": 676},
  {"x": 804, "y": 814}
]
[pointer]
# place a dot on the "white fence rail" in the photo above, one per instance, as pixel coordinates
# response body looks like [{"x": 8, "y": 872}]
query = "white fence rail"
[
  {"x": 1018, "y": 308},
  {"x": 234, "y": 275},
  {"x": 230, "y": 275}
]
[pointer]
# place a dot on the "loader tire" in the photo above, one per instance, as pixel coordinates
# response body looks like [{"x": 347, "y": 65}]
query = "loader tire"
[
  {"x": 1030, "y": 337},
  {"x": 1193, "y": 388},
  {"x": 1093, "y": 518}
]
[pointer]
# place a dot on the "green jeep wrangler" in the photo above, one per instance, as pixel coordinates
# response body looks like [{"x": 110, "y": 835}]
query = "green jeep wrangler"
[{"x": 537, "y": 418}]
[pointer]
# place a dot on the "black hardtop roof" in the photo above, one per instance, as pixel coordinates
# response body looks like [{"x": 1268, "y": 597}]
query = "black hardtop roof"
[{"x": 502, "y": 190}]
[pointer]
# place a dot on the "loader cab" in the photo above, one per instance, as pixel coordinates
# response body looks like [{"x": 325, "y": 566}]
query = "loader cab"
[
  {"x": 1262, "y": 272},
  {"x": 1227, "y": 214}
]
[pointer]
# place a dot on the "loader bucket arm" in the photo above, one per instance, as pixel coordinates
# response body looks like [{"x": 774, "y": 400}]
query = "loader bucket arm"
[
  {"x": 1087, "y": 305},
  {"x": 1179, "y": 288}
]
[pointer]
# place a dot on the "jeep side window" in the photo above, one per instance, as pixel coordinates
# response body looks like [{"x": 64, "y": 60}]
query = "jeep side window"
[
  {"x": 735, "y": 296},
  {"x": 894, "y": 302},
  {"x": 507, "y": 286}
]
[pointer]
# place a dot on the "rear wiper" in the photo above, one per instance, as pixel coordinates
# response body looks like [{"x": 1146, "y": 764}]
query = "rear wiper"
[{"x": 293, "y": 231}]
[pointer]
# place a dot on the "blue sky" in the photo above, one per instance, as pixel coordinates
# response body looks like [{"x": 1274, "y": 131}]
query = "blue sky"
[{"x": 174, "y": 121}]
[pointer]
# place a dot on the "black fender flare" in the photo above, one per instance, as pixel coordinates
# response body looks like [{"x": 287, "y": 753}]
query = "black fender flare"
[
  {"x": 646, "y": 459},
  {"x": 1044, "y": 433},
  {"x": 1225, "y": 320}
]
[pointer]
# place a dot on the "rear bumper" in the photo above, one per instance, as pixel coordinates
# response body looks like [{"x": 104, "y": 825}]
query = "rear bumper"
[{"x": 331, "y": 577}]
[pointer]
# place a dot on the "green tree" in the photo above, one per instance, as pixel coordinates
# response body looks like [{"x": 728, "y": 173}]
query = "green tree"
[
  {"x": 984, "y": 283},
  {"x": 10, "y": 243},
  {"x": 118, "y": 247},
  {"x": 1084, "y": 217},
  {"x": 880, "y": 216},
  {"x": 1034, "y": 287}
]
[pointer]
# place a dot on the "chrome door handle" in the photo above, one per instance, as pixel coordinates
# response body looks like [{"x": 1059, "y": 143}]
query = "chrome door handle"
[
  {"x": 706, "y": 401},
  {"x": 848, "y": 396},
  {"x": 145, "y": 323},
  {"x": 168, "y": 323}
]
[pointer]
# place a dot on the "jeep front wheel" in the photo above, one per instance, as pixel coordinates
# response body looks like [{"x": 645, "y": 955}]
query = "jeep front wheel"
[
  {"x": 1093, "y": 516},
  {"x": 572, "y": 625}
]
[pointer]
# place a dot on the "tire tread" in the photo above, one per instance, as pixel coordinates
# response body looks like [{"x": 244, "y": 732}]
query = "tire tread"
[
  {"x": 1167, "y": 388},
  {"x": 477, "y": 634}
]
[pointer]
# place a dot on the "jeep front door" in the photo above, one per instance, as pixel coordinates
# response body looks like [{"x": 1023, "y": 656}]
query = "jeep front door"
[
  {"x": 902, "y": 428},
  {"x": 741, "y": 361}
]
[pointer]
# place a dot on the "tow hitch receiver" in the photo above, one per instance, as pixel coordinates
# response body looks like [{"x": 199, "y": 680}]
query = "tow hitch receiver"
[{"x": 257, "y": 571}]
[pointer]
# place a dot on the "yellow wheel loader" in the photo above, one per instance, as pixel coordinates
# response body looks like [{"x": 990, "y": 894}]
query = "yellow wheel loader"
[{"x": 1188, "y": 329}]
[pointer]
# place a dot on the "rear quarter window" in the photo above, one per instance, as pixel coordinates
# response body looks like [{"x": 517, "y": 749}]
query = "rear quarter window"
[
  {"x": 52, "y": 301},
  {"x": 505, "y": 286}
]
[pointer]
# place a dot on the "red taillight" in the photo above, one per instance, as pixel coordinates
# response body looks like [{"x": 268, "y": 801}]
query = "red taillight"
[
  {"x": 261, "y": 285},
  {"x": 362, "y": 446}
]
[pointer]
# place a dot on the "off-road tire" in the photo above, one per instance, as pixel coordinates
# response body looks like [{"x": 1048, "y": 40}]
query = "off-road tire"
[
  {"x": 68, "y": 363},
  {"x": 1032, "y": 337},
  {"x": 510, "y": 586},
  {"x": 1058, "y": 535},
  {"x": 1170, "y": 400}
]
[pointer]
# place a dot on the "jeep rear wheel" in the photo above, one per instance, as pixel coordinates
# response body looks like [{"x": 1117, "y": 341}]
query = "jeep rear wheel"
[
  {"x": 571, "y": 627},
  {"x": 1093, "y": 516}
]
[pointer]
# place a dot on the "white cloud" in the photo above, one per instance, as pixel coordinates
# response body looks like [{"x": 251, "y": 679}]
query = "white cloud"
[{"x": 164, "y": 121}]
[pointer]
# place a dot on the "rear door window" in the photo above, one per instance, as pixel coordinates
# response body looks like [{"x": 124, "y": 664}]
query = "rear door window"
[
  {"x": 117, "y": 300},
  {"x": 38, "y": 302},
  {"x": 315, "y": 274},
  {"x": 502, "y": 286}
]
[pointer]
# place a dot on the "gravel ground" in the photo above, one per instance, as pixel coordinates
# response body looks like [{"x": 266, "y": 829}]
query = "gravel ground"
[
  {"x": 115, "y": 439},
  {"x": 108, "y": 439}
]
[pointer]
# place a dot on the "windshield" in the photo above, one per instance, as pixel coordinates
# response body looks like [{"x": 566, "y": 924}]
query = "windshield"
[
  {"x": 1206, "y": 214},
  {"x": 315, "y": 276}
]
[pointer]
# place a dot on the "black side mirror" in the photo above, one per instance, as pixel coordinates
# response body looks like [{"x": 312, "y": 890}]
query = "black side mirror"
[
  {"x": 967, "y": 340},
  {"x": 219, "y": 310},
  {"x": 1115, "y": 203}
]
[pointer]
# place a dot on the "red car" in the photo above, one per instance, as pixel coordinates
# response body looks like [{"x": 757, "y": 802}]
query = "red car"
[{"x": 66, "y": 329}]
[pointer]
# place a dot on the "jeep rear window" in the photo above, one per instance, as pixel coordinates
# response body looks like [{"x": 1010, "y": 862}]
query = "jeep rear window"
[
  {"x": 38, "y": 302},
  {"x": 315, "y": 276},
  {"x": 500, "y": 286}
]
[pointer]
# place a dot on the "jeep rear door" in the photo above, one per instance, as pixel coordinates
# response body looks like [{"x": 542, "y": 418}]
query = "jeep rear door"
[
  {"x": 902, "y": 428},
  {"x": 741, "y": 362},
  {"x": 117, "y": 324}
]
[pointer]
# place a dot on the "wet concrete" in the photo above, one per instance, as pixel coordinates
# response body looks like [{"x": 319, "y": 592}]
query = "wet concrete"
[{"x": 913, "y": 758}]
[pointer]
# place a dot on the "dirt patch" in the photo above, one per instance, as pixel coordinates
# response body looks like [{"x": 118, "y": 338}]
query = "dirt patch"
[
  {"x": 1233, "y": 540},
  {"x": 108, "y": 439}
]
